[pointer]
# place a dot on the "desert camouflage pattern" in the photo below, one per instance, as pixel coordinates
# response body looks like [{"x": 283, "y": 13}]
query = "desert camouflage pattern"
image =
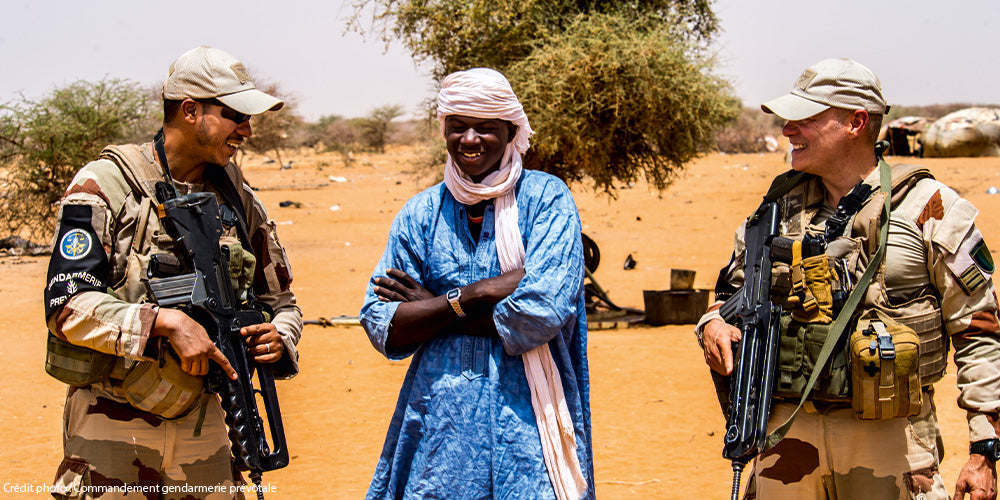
[
  {"x": 101, "y": 428},
  {"x": 129, "y": 233},
  {"x": 931, "y": 251},
  {"x": 828, "y": 453},
  {"x": 114, "y": 451}
]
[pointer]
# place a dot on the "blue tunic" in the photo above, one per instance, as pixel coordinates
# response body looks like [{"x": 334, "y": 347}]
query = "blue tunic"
[{"x": 463, "y": 426}]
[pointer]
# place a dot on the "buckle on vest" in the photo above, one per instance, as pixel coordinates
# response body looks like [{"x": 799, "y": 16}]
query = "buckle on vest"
[{"x": 882, "y": 343}]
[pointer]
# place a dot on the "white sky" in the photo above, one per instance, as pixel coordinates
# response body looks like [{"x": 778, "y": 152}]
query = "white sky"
[{"x": 925, "y": 51}]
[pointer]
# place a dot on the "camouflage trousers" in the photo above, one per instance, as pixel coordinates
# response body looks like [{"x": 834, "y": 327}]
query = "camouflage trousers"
[
  {"x": 114, "y": 451},
  {"x": 833, "y": 455}
]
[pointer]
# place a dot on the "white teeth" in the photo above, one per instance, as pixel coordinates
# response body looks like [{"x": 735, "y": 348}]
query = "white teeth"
[{"x": 798, "y": 146}]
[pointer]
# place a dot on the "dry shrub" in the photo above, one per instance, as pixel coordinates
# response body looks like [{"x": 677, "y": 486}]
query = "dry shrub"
[{"x": 746, "y": 134}]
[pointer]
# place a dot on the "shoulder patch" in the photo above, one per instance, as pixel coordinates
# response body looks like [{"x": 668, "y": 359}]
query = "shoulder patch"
[
  {"x": 972, "y": 264},
  {"x": 971, "y": 279},
  {"x": 75, "y": 244},
  {"x": 933, "y": 210},
  {"x": 981, "y": 256}
]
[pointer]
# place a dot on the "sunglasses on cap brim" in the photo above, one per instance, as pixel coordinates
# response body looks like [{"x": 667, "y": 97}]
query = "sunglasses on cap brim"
[{"x": 227, "y": 112}]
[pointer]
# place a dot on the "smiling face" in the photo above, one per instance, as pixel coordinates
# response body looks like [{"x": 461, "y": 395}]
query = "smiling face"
[
  {"x": 477, "y": 145},
  {"x": 818, "y": 142},
  {"x": 218, "y": 134}
]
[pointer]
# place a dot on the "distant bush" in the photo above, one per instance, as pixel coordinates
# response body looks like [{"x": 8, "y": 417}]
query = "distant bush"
[
  {"x": 43, "y": 143},
  {"x": 272, "y": 130},
  {"x": 746, "y": 134},
  {"x": 375, "y": 126}
]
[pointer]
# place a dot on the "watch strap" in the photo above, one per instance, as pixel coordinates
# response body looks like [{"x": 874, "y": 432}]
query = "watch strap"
[
  {"x": 989, "y": 448},
  {"x": 454, "y": 295}
]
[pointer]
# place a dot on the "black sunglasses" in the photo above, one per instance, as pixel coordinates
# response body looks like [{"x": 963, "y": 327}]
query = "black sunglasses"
[{"x": 227, "y": 112}]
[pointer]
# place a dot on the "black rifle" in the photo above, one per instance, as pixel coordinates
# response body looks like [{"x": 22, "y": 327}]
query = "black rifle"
[
  {"x": 755, "y": 357},
  {"x": 204, "y": 291}
]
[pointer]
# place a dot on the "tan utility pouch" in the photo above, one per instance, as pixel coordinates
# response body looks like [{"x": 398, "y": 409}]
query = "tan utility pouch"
[
  {"x": 885, "y": 369},
  {"x": 160, "y": 387},
  {"x": 76, "y": 365}
]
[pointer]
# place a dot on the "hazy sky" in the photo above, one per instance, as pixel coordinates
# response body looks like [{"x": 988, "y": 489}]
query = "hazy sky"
[{"x": 925, "y": 52}]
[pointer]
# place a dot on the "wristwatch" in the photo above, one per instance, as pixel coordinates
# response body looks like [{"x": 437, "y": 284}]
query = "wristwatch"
[
  {"x": 453, "y": 296},
  {"x": 990, "y": 448}
]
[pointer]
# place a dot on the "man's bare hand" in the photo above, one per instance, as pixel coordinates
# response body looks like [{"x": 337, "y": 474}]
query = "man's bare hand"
[
  {"x": 978, "y": 479},
  {"x": 191, "y": 343},
  {"x": 718, "y": 339},
  {"x": 399, "y": 287},
  {"x": 263, "y": 342}
]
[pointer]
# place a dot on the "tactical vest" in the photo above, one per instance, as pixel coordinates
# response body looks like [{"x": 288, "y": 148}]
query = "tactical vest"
[
  {"x": 157, "y": 386},
  {"x": 800, "y": 342}
]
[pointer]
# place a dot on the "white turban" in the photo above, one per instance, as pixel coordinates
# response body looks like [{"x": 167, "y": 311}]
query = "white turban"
[{"x": 485, "y": 93}]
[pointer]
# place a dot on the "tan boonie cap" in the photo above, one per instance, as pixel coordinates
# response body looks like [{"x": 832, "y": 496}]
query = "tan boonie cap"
[
  {"x": 837, "y": 83},
  {"x": 206, "y": 72}
]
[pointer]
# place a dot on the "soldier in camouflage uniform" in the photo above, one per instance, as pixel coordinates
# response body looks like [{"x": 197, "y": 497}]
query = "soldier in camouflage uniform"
[
  {"x": 143, "y": 426},
  {"x": 935, "y": 278}
]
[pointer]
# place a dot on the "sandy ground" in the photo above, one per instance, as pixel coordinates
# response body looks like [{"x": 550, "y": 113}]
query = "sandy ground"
[{"x": 656, "y": 423}]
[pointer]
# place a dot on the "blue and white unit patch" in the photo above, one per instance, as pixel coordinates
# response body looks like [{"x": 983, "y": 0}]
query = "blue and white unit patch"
[{"x": 75, "y": 244}]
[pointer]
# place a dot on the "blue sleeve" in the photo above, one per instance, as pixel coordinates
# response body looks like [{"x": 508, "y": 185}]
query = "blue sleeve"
[
  {"x": 403, "y": 251},
  {"x": 546, "y": 300}
]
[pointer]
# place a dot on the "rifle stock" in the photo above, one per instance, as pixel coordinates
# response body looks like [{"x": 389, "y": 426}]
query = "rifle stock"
[
  {"x": 755, "y": 356},
  {"x": 205, "y": 293}
]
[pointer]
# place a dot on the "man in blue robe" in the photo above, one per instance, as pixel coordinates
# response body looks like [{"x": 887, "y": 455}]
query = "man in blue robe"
[{"x": 481, "y": 282}]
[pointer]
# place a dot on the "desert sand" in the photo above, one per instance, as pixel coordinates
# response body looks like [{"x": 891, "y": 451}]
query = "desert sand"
[{"x": 657, "y": 428}]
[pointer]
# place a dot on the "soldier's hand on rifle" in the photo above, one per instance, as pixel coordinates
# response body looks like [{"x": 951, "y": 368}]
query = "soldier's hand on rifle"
[
  {"x": 263, "y": 342},
  {"x": 190, "y": 341},
  {"x": 718, "y": 337}
]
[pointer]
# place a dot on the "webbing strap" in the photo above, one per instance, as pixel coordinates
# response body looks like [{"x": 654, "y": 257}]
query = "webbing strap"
[{"x": 839, "y": 324}]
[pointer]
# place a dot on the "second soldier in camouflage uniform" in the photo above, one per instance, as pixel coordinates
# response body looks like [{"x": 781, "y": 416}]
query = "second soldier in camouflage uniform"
[
  {"x": 138, "y": 423},
  {"x": 935, "y": 279}
]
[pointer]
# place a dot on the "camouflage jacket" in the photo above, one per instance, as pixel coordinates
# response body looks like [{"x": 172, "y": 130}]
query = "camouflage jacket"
[
  {"x": 934, "y": 251},
  {"x": 107, "y": 231}
]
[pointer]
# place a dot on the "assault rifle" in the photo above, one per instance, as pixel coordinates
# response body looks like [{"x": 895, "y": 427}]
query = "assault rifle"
[
  {"x": 201, "y": 287},
  {"x": 755, "y": 357}
]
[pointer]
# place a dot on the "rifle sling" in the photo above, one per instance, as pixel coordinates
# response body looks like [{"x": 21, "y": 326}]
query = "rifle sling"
[
  {"x": 218, "y": 177},
  {"x": 839, "y": 324}
]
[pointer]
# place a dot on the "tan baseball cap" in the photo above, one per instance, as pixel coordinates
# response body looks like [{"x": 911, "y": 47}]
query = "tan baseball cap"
[
  {"x": 836, "y": 83},
  {"x": 207, "y": 72}
]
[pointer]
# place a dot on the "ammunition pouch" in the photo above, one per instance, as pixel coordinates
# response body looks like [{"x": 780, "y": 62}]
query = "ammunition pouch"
[
  {"x": 161, "y": 387},
  {"x": 923, "y": 316},
  {"x": 799, "y": 346},
  {"x": 812, "y": 284},
  {"x": 241, "y": 266},
  {"x": 885, "y": 369},
  {"x": 76, "y": 365}
]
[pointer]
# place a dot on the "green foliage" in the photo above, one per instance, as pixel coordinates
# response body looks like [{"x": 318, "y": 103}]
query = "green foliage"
[
  {"x": 612, "y": 102},
  {"x": 43, "y": 143},
  {"x": 460, "y": 34},
  {"x": 375, "y": 126},
  {"x": 613, "y": 89}
]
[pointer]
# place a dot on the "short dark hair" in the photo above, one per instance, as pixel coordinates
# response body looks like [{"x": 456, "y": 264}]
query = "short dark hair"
[{"x": 170, "y": 109}]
